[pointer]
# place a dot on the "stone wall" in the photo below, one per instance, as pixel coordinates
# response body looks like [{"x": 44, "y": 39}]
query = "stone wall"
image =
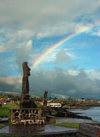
[
  {"x": 26, "y": 116},
  {"x": 89, "y": 129}
]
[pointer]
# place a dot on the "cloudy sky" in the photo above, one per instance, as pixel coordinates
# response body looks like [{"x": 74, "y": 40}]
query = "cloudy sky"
[{"x": 28, "y": 28}]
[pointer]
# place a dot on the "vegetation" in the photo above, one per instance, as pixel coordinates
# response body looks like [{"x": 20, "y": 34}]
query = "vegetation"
[
  {"x": 39, "y": 105},
  {"x": 70, "y": 125},
  {"x": 2, "y": 125},
  {"x": 62, "y": 117},
  {"x": 66, "y": 106},
  {"x": 4, "y": 110},
  {"x": 13, "y": 105}
]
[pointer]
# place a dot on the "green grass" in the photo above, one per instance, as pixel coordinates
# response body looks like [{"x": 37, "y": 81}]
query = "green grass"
[
  {"x": 62, "y": 117},
  {"x": 4, "y": 111},
  {"x": 39, "y": 105},
  {"x": 2, "y": 125},
  {"x": 66, "y": 106},
  {"x": 12, "y": 105},
  {"x": 70, "y": 125}
]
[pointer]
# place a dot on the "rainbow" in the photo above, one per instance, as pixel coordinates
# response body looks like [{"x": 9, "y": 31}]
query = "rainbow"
[{"x": 53, "y": 47}]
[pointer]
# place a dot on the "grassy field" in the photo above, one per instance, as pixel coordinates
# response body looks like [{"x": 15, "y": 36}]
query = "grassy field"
[{"x": 70, "y": 125}]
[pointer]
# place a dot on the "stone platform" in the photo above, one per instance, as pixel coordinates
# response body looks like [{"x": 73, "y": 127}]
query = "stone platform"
[
  {"x": 41, "y": 131},
  {"x": 26, "y": 116}
]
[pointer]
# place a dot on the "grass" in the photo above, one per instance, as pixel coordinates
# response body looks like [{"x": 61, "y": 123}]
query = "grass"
[
  {"x": 62, "y": 117},
  {"x": 12, "y": 105},
  {"x": 69, "y": 125},
  {"x": 2, "y": 125},
  {"x": 66, "y": 106},
  {"x": 4, "y": 111}
]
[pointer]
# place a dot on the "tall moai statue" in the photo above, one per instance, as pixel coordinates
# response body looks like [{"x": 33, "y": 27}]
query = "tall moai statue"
[
  {"x": 45, "y": 99},
  {"x": 26, "y": 102},
  {"x": 28, "y": 113},
  {"x": 25, "y": 81}
]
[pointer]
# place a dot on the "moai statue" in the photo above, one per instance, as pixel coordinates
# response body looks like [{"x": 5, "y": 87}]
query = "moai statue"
[
  {"x": 25, "y": 81},
  {"x": 45, "y": 99},
  {"x": 26, "y": 102}
]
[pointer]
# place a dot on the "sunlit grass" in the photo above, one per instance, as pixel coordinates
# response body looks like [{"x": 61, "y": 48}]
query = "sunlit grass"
[
  {"x": 62, "y": 117},
  {"x": 69, "y": 125},
  {"x": 4, "y": 110}
]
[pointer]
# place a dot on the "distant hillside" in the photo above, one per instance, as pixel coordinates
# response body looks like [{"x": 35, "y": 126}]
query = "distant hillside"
[
  {"x": 14, "y": 93},
  {"x": 9, "y": 93}
]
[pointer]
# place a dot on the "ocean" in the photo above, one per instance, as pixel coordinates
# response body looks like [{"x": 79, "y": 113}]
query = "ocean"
[{"x": 93, "y": 112}]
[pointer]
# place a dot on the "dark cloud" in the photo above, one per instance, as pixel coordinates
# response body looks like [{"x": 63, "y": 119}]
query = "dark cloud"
[
  {"x": 61, "y": 82},
  {"x": 10, "y": 83},
  {"x": 58, "y": 82}
]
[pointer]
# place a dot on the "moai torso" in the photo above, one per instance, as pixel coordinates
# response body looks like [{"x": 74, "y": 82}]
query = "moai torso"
[
  {"x": 25, "y": 81},
  {"x": 45, "y": 98}
]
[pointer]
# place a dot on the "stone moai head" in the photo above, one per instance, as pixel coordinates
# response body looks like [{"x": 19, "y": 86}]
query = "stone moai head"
[
  {"x": 45, "y": 94},
  {"x": 26, "y": 69}
]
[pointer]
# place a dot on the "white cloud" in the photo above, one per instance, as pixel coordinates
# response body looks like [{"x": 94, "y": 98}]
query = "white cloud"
[
  {"x": 50, "y": 18},
  {"x": 62, "y": 57},
  {"x": 20, "y": 20},
  {"x": 57, "y": 56},
  {"x": 73, "y": 72},
  {"x": 24, "y": 34},
  {"x": 19, "y": 43},
  {"x": 15, "y": 39},
  {"x": 96, "y": 33},
  {"x": 93, "y": 74},
  {"x": 29, "y": 45}
]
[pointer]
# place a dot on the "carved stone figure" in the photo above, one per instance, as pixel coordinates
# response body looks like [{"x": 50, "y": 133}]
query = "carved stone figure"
[
  {"x": 45, "y": 99},
  {"x": 26, "y": 102},
  {"x": 28, "y": 113},
  {"x": 25, "y": 81}
]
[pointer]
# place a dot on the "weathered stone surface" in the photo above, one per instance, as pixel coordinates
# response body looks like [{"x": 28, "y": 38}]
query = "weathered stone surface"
[
  {"x": 25, "y": 81},
  {"x": 26, "y": 102},
  {"x": 26, "y": 116},
  {"x": 61, "y": 112},
  {"x": 90, "y": 130},
  {"x": 45, "y": 99},
  {"x": 51, "y": 119}
]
